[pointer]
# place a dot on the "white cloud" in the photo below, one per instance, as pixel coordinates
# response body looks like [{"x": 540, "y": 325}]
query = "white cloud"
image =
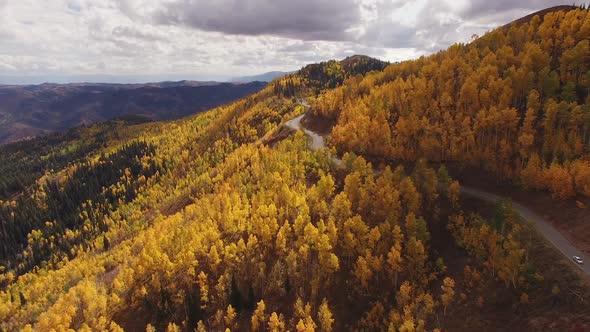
[{"x": 201, "y": 39}]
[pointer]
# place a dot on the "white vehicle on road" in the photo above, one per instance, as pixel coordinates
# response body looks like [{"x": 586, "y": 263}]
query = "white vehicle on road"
[{"x": 578, "y": 260}]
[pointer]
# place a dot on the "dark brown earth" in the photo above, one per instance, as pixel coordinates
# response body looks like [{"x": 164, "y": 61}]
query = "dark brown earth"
[{"x": 318, "y": 124}]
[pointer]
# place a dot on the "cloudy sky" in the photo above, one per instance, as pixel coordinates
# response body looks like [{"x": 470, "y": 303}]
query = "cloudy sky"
[{"x": 136, "y": 40}]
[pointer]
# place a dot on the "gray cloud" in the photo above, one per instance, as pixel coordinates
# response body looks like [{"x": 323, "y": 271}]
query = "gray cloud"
[
  {"x": 478, "y": 8},
  {"x": 136, "y": 33},
  {"x": 427, "y": 25},
  {"x": 440, "y": 23},
  {"x": 201, "y": 39},
  {"x": 300, "y": 19}
]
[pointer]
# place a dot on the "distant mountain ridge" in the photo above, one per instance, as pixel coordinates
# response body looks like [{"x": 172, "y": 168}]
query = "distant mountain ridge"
[
  {"x": 33, "y": 110},
  {"x": 266, "y": 77},
  {"x": 162, "y": 84},
  {"x": 352, "y": 65}
]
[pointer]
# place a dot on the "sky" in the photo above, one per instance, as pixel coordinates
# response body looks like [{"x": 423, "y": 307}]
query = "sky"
[{"x": 154, "y": 40}]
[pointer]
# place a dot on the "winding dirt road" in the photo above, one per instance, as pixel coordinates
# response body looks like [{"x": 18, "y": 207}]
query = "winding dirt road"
[
  {"x": 317, "y": 140},
  {"x": 542, "y": 225}
]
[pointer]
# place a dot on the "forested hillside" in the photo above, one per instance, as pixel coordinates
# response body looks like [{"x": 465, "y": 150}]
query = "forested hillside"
[
  {"x": 514, "y": 102},
  {"x": 318, "y": 77},
  {"x": 227, "y": 220}
]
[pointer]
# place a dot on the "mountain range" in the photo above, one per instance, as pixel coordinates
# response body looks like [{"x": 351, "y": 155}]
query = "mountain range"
[
  {"x": 266, "y": 77},
  {"x": 29, "y": 111}
]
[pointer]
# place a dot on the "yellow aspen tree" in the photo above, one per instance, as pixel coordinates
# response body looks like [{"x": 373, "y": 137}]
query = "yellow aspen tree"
[
  {"x": 581, "y": 173},
  {"x": 415, "y": 260},
  {"x": 282, "y": 237},
  {"x": 310, "y": 325},
  {"x": 398, "y": 236},
  {"x": 276, "y": 323},
  {"x": 513, "y": 263},
  {"x": 341, "y": 209},
  {"x": 363, "y": 272},
  {"x": 560, "y": 181},
  {"x": 201, "y": 327},
  {"x": 307, "y": 325},
  {"x": 332, "y": 230},
  {"x": 374, "y": 237},
  {"x": 448, "y": 293},
  {"x": 258, "y": 317},
  {"x": 230, "y": 316},
  {"x": 394, "y": 260},
  {"x": 453, "y": 193},
  {"x": 114, "y": 327},
  {"x": 218, "y": 319},
  {"x": 410, "y": 196},
  {"x": 301, "y": 326},
  {"x": 203, "y": 289},
  {"x": 532, "y": 174},
  {"x": 172, "y": 328},
  {"x": 300, "y": 309},
  {"x": 528, "y": 131},
  {"x": 408, "y": 325},
  {"x": 325, "y": 317}
]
